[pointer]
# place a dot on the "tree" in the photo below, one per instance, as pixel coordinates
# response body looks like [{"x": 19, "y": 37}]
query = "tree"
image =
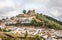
[
  {"x": 36, "y": 37},
  {"x": 6, "y": 17},
  {"x": 26, "y": 34},
  {"x": 24, "y": 11},
  {"x": 3, "y": 19}
]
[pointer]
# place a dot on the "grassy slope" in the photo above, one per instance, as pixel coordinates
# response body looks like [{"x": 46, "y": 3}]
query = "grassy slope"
[
  {"x": 50, "y": 23},
  {"x": 43, "y": 20}
]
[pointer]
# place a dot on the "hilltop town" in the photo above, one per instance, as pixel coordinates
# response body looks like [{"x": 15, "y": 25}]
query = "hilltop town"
[{"x": 29, "y": 25}]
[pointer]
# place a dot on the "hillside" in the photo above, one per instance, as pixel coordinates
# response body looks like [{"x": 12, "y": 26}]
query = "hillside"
[
  {"x": 31, "y": 18},
  {"x": 40, "y": 20},
  {"x": 29, "y": 26},
  {"x": 49, "y": 21}
]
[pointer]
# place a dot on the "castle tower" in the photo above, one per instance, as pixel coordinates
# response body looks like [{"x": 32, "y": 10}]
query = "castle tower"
[{"x": 31, "y": 12}]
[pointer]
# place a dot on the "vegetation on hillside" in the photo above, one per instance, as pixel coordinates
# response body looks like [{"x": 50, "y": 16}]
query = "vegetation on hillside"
[
  {"x": 40, "y": 20},
  {"x": 47, "y": 22}
]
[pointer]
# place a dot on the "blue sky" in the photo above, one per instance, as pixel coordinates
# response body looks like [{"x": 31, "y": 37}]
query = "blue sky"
[{"x": 48, "y": 7}]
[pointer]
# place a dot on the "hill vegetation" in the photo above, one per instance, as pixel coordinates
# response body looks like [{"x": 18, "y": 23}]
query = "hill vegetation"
[
  {"x": 40, "y": 20},
  {"x": 49, "y": 22}
]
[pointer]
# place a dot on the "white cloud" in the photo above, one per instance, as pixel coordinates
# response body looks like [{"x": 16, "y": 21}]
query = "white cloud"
[
  {"x": 48, "y": 7},
  {"x": 13, "y": 13},
  {"x": 9, "y": 3},
  {"x": 8, "y": 7},
  {"x": 6, "y": 3},
  {"x": 55, "y": 12}
]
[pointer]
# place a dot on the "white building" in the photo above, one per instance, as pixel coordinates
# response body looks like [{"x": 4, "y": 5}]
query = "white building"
[{"x": 25, "y": 20}]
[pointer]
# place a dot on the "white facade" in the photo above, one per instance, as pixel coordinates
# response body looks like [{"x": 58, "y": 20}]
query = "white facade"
[{"x": 25, "y": 20}]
